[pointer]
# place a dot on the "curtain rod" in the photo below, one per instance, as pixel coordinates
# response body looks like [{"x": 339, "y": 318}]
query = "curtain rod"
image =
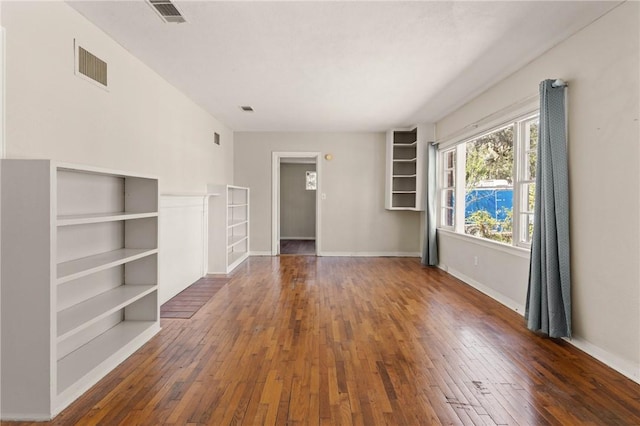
[{"x": 559, "y": 83}]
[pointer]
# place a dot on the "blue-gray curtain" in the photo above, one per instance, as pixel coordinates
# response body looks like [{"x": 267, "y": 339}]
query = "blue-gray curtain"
[
  {"x": 430, "y": 249},
  {"x": 548, "y": 308}
]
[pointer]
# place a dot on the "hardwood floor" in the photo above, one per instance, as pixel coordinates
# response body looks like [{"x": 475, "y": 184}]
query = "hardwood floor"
[
  {"x": 298, "y": 247},
  {"x": 302, "y": 340},
  {"x": 186, "y": 303}
]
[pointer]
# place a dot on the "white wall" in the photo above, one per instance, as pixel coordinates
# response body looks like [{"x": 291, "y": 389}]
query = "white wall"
[
  {"x": 354, "y": 220},
  {"x": 601, "y": 65},
  {"x": 183, "y": 239},
  {"x": 141, "y": 124},
  {"x": 297, "y": 204}
]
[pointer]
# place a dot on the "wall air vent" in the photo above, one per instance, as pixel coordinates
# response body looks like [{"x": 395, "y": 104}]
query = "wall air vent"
[
  {"x": 246, "y": 108},
  {"x": 167, "y": 11},
  {"x": 91, "y": 66}
]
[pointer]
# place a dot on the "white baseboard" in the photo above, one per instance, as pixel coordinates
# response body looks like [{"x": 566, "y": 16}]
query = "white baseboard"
[
  {"x": 369, "y": 254},
  {"x": 506, "y": 301},
  {"x": 260, "y": 253},
  {"x": 622, "y": 366},
  {"x": 351, "y": 254}
]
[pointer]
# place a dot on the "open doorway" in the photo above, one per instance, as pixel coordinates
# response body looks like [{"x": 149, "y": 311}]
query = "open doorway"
[{"x": 295, "y": 203}]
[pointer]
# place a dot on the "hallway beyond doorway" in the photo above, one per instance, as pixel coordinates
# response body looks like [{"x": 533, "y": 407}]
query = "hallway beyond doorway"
[{"x": 307, "y": 247}]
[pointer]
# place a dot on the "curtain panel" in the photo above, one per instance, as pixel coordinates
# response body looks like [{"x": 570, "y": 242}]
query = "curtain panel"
[{"x": 548, "y": 305}]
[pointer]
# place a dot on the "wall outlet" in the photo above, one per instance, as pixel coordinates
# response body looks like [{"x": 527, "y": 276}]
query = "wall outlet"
[{"x": 475, "y": 260}]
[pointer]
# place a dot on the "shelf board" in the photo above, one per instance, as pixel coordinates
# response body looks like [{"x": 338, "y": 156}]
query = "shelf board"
[
  {"x": 404, "y": 192},
  {"x": 405, "y": 160},
  {"x": 82, "y": 315},
  {"x": 404, "y": 176},
  {"x": 237, "y": 222},
  {"x": 86, "y": 358},
  {"x": 73, "y": 269},
  {"x": 405, "y": 145},
  {"x": 81, "y": 219},
  {"x": 236, "y": 239},
  {"x": 238, "y": 205}
]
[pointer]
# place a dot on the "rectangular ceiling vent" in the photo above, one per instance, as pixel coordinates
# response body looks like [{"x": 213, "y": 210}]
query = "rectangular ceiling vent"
[
  {"x": 167, "y": 11},
  {"x": 92, "y": 67}
]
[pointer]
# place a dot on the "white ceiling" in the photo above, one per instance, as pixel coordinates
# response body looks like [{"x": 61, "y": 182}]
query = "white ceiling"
[{"x": 338, "y": 66}]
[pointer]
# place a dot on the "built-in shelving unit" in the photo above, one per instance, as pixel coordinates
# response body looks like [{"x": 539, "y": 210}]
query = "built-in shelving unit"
[
  {"x": 79, "y": 279},
  {"x": 405, "y": 167},
  {"x": 228, "y": 228}
]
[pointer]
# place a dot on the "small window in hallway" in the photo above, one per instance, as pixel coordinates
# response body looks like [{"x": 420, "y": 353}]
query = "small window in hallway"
[{"x": 312, "y": 181}]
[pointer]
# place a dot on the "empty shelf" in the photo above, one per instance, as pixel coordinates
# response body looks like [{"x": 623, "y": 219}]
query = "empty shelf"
[
  {"x": 83, "y": 314},
  {"x": 73, "y": 269},
  {"x": 82, "y": 219}
]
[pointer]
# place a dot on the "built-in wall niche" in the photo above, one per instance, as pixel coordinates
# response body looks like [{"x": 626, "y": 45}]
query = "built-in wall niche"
[{"x": 405, "y": 171}]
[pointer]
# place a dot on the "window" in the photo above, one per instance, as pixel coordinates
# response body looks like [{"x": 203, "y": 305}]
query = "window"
[
  {"x": 311, "y": 181},
  {"x": 448, "y": 188},
  {"x": 494, "y": 174}
]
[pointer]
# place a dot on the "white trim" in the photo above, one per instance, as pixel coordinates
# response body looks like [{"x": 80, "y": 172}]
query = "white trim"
[
  {"x": 260, "y": 253},
  {"x": 513, "y": 112},
  {"x": 506, "y": 301},
  {"x": 276, "y": 158},
  {"x": 622, "y": 366},
  {"x": 297, "y": 238},
  {"x": 370, "y": 254},
  {"x": 3, "y": 73},
  {"x": 494, "y": 245}
]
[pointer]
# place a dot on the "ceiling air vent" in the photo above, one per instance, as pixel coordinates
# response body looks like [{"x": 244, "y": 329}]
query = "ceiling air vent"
[
  {"x": 92, "y": 67},
  {"x": 246, "y": 108},
  {"x": 167, "y": 11}
]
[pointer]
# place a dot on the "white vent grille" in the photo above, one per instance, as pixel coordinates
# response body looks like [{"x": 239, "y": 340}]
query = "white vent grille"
[
  {"x": 92, "y": 66},
  {"x": 167, "y": 11}
]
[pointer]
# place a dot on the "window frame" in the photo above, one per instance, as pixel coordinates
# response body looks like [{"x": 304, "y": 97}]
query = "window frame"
[{"x": 519, "y": 121}]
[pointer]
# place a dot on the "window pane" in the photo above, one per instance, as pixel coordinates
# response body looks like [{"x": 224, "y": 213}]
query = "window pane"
[
  {"x": 531, "y": 197},
  {"x": 532, "y": 157},
  {"x": 526, "y": 233},
  {"x": 450, "y": 159},
  {"x": 531, "y": 148},
  {"x": 489, "y": 186},
  {"x": 448, "y": 199},
  {"x": 447, "y": 217},
  {"x": 450, "y": 179}
]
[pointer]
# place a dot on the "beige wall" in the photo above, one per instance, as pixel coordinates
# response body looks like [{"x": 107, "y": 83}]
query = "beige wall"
[
  {"x": 601, "y": 65},
  {"x": 297, "y": 204},
  {"x": 353, "y": 218},
  {"x": 141, "y": 124}
]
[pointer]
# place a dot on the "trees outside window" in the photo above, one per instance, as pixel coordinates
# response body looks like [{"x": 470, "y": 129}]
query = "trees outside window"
[{"x": 496, "y": 179}]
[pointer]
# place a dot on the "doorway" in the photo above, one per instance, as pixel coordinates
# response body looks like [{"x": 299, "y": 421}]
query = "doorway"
[{"x": 296, "y": 203}]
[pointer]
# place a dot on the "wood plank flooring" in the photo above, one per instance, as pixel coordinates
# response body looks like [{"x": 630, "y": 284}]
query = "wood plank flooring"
[
  {"x": 186, "y": 303},
  {"x": 304, "y": 340},
  {"x": 298, "y": 247}
]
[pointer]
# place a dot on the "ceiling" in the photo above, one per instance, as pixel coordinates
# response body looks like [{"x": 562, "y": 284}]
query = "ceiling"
[{"x": 338, "y": 66}]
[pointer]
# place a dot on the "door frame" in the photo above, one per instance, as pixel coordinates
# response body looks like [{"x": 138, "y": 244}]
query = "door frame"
[{"x": 276, "y": 158}]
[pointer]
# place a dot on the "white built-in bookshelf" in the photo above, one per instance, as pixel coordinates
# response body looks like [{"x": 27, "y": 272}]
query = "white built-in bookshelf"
[
  {"x": 79, "y": 279},
  {"x": 228, "y": 227},
  {"x": 404, "y": 176}
]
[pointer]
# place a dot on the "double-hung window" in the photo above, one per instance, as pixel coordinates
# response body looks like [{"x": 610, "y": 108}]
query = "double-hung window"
[{"x": 487, "y": 183}]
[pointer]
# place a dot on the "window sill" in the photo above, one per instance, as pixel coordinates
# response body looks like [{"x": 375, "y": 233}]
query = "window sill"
[{"x": 493, "y": 245}]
